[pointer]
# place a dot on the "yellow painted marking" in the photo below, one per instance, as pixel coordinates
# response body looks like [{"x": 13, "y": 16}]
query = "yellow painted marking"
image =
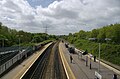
[
  {"x": 67, "y": 68},
  {"x": 26, "y": 65}
]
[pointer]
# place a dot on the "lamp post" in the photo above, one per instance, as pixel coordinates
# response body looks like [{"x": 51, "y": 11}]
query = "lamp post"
[
  {"x": 3, "y": 42},
  {"x": 19, "y": 41},
  {"x": 99, "y": 60},
  {"x": 33, "y": 40},
  {"x": 19, "y": 44}
]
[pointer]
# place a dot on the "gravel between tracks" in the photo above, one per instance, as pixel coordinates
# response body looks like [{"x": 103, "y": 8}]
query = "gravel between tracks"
[{"x": 48, "y": 65}]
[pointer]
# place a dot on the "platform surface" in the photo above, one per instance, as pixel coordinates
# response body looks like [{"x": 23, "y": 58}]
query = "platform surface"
[
  {"x": 20, "y": 70},
  {"x": 81, "y": 71}
]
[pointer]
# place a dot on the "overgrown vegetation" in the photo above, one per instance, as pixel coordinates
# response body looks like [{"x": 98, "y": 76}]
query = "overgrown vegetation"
[
  {"x": 110, "y": 49},
  {"x": 10, "y": 37}
]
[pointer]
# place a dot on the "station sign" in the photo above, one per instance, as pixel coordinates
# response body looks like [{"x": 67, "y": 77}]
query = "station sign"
[{"x": 98, "y": 75}]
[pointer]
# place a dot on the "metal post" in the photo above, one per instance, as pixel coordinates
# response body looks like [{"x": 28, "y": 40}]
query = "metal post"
[
  {"x": 3, "y": 43},
  {"x": 81, "y": 55},
  {"x": 78, "y": 54},
  {"x": 99, "y": 59},
  {"x": 19, "y": 44}
]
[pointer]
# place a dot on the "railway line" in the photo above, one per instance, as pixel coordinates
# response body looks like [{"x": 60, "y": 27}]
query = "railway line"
[
  {"x": 8, "y": 52},
  {"x": 47, "y": 66},
  {"x": 6, "y": 57},
  {"x": 9, "y": 61}
]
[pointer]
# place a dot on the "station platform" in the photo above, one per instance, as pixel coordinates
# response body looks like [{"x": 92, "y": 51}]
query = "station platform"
[
  {"x": 79, "y": 70},
  {"x": 21, "y": 69}
]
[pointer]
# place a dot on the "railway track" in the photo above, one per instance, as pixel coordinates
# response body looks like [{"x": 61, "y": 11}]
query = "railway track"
[
  {"x": 48, "y": 65},
  {"x": 6, "y": 57}
]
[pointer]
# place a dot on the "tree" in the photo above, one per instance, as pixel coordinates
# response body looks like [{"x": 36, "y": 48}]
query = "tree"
[
  {"x": 25, "y": 37},
  {"x": 82, "y": 34},
  {"x": 116, "y": 33},
  {"x": 102, "y": 35},
  {"x": 94, "y": 33}
]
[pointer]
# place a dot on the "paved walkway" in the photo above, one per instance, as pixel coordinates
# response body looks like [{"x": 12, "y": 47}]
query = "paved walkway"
[
  {"x": 81, "y": 71},
  {"x": 19, "y": 71}
]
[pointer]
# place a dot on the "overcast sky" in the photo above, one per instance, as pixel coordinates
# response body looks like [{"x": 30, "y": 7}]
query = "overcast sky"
[{"x": 59, "y": 16}]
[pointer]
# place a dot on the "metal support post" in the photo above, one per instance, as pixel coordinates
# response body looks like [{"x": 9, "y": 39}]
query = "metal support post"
[{"x": 99, "y": 59}]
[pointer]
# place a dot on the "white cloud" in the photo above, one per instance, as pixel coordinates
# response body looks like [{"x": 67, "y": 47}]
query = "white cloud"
[{"x": 61, "y": 17}]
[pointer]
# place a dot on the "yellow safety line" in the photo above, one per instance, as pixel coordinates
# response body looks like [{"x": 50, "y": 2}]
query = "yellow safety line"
[
  {"x": 23, "y": 69},
  {"x": 27, "y": 68},
  {"x": 66, "y": 66}
]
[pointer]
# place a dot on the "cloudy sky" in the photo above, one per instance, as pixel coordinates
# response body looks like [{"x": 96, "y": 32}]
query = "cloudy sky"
[{"x": 59, "y": 16}]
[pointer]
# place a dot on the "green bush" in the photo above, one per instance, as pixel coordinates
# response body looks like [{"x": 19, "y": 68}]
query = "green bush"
[{"x": 109, "y": 52}]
